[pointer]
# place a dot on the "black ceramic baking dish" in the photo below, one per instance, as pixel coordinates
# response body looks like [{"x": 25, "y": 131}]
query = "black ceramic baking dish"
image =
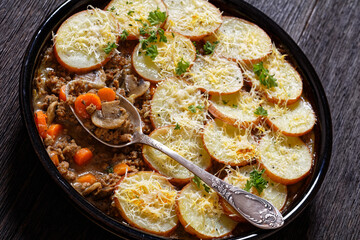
[{"x": 313, "y": 90}]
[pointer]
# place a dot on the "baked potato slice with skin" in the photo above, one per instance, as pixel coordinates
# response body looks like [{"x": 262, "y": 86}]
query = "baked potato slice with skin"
[
  {"x": 240, "y": 41},
  {"x": 177, "y": 49},
  {"x": 176, "y": 102},
  {"x": 236, "y": 109},
  {"x": 194, "y": 19},
  {"x": 132, "y": 15},
  {"x": 289, "y": 82},
  {"x": 292, "y": 120},
  {"x": 186, "y": 142},
  {"x": 146, "y": 200},
  {"x": 82, "y": 43},
  {"x": 201, "y": 214},
  {"x": 275, "y": 193},
  {"x": 229, "y": 145},
  {"x": 215, "y": 75},
  {"x": 287, "y": 160}
]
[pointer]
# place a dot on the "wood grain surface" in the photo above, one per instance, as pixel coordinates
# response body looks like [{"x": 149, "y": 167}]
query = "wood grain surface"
[{"x": 32, "y": 206}]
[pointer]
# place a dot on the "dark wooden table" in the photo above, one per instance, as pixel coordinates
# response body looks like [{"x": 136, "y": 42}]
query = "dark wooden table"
[{"x": 32, "y": 206}]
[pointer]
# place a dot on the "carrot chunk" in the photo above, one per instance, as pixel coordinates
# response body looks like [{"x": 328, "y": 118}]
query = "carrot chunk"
[
  {"x": 54, "y": 130},
  {"x": 83, "y": 156},
  {"x": 121, "y": 168},
  {"x": 54, "y": 158},
  {"x": 62, "y": 94},
  {"x": 87, "y": 178},
  {"x": 85, "y": 100},
  {"x": 40, "y": 122},
  {"x": 106, "y": 94}
]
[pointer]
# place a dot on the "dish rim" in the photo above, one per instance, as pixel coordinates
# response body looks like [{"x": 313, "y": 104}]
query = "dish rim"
[{"x": 238, "y": 9}]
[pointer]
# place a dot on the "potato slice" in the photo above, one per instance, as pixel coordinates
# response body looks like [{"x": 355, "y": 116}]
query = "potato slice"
[
  {"x": 177, "y": 49},
  {"x": 146, "y": 200},
  {"x": 289, "y": 82},
  {"x": 176, "y": 102},
  {"x": 275, "y": 193},
  {"x": 126, "y": 12},
  {"x": 186, "y": 142},
  {"x": 201, "y": 213},
  {"x": 82, "y": 43},
  {"x": 215, "y": 75},
  {"x": 229, "y": 145},
  {"x": 236, "y": 109},
  {"x": 292, "y": 120},
  {"x": 192, "y": 18},
  {"x": 241, "y": 41},
  {"x": 287, "y": 160}
]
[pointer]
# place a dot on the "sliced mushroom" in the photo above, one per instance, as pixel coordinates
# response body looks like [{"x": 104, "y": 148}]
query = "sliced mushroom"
[
  {"x": 134, "y": 88},
  {"x": 97, "y": 78},
  {"x": 111, "y": 116},
  {"x": 50, "y": 112},
  {"x": 91, "y": 188}
]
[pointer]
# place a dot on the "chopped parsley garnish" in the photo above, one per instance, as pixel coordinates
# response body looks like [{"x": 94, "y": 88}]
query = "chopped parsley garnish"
[
  {"x": 209, "y": 48},
  {"x": 192, "y": 108},
  {"x": 265, "y": 78},
  {"x": 111, "y": 9},
  {"x": 156, "y": 17},
  {"x": 173, "y": 35},
  {"x": 110, "y": 47},
  {"x": 110, "y": 169},
  {"x": 234, "y": 106},
  {"x": 225, "y": 102},
  {"x": 200, "y": 107},
  {"x": 162, "y": 37},
  {"x": 152, "y": 52},
  {"x": 177, "y": 126},
  {"x": 124, "y": 35},
  {"x": 182, "y": 66},
  {"x": 198, "y": 182},
  {"x": 261, "y": 111},
  {"x": 143, "y": 31},
  {"x": 130, "y": 12},
  {"x": 256, "y": 181}
]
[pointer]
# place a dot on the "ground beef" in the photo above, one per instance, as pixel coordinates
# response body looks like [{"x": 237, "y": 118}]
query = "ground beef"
[
  {"x": 91, "y": 109},
  {"x": 64, "y": 114},
  {"x": 65, "y": 172}
]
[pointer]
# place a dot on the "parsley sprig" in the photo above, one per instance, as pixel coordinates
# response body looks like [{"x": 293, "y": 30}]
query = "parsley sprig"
[
  {"x": 256, "y": 181},
  {"x": 182, "y": 66},
  {"x": 209, "y": 48},
  {"x": 198, "y": 183},
  {"x": 124, "y": 35},
  {"x": 177, "y": 127},
  {"x": 152, "y": 52},
  {"x": 264, "y": 76},
  {"x": 110, "y": 46},
  {"x": 157, "y": 17},
  {"x": 260, "y": 111}
]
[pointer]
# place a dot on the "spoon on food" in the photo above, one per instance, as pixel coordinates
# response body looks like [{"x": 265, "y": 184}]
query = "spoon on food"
[{"x": 254, "y": 209}]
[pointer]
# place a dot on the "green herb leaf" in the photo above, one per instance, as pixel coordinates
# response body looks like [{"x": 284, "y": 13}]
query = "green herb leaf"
[
  {"x": 225, "y": 102},
  {"x": 110, "y": 47},
  {"x": 234, "y": 106},
  {"x": 177, "y": 126},
  {"x": 206, "y": 188},
  {"x": 197, "y": 181},
  {"x": 124, "y": 35},
  {"x": 143, "y": 31},
  {"x": 162, "y": 37},
  {"x": 265, "y": 78},
  {"x": 110, "y": 169},
  {"x": 209, "y": 48},
  {"x": 257, "y": 181},
  {"x": 173, "y": 35},
  {"x": 111, "y": 9},
  {"x": 156, "y": 17},
  {"x": 152, "y": 52},
  {"x": 200, "y": 107},
  {"x": 192, "y": 108},
  {"x": 130, "y": 12},
  {"x": 182, "y": 66},
  {"x": 261, "y": 111}
]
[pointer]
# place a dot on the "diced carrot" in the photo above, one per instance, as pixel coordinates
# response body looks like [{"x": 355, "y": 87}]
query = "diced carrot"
[
  {"x": 40, "y": 121},
  {"x": 62, "y": 94},
  {"x": 87, "y": 178},
  {"x": 83, "y": 156},
  {"x": 106, "y": 94},
  {"x": 121, "y": 168},
  {"x": 54, "y": 158},
  {"x": 54, "y": 130},
  {"x": 85, "y": 100}
]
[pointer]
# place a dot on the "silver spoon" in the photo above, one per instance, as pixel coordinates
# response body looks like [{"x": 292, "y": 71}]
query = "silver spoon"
[{"x": 254, "y": 209}]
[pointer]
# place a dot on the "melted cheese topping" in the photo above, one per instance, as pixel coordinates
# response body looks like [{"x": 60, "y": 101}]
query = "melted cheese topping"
[
  {"x": 81, "y": 39},
  {"x": 186, "y": 142},
  {"x": 229, "y": 145},
  {"x": 126, "y": 11},
  {"x": 148, "y": 200},
  {"x": 241, "y": 40},
  {"x": 172, "y": 102},
  {"x": 192, "y": 17},
  {"x": 215, "y": 74},
  {"x": 288, "y": 79},
  {"x": 202, "y": 211},
  {"x": 286, "y": 157}
]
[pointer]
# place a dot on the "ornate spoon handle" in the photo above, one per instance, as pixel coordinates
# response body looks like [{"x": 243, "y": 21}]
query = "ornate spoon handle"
[{"x": 256, "y": 210}]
